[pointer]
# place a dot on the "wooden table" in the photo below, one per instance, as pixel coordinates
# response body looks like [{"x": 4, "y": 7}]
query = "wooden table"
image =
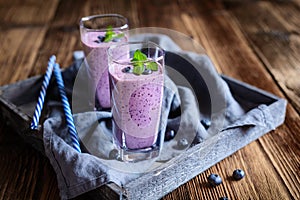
[{"x": 257, "y": 42}]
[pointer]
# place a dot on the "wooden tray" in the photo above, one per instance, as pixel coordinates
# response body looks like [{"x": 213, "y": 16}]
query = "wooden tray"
[{"x": 17, "y": 102}]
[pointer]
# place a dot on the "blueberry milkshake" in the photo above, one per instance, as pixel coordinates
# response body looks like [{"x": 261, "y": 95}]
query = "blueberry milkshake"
[
  {"x": 137, "y": 107},
  {"x": 136, "y": 104},
  {"x": 98, "y": 33}
]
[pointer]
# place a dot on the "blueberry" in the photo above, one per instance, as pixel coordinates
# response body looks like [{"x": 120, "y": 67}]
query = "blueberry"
[
  {"x": 116, "y": 40},
  {"x": 206, "y": 123},
  {"x": 127, "y": 70},
  {"x": 238, "y": 174},
  {"x": 114, "y": 154},
  {"x": 214, "y": 179},
  {"x": 182, "y": 143},
  {"x": 147, "y": 71},
  {"x": 223, "y": 198},
  {"x": 101, "y": 38},
  {"x": 170, "y": 134},
  {"x": 97, "y": 41}
]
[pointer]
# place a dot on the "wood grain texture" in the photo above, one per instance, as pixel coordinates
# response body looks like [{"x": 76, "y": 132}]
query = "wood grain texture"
[
  {"x": 23, "y": 169},
  {"x": 276, "y": 41},
  {"x": 256, "y": 77},
  {"x": 253, "y": 41},
  {"x": 26, "y": 12},
  {"x": 19, "y": 50},
  {"x": 278, "y": 48}
]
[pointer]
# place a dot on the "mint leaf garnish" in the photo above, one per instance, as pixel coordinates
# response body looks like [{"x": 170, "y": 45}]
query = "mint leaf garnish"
[
  {"x": 110, "y": 34},
  {"x": 139, "y": 64},
  {"x": 139, "y": 56},
  {"x": 152, "y": 66},
  {"x": 138, "y": 69},
  {"x": 108, "y": 38}
]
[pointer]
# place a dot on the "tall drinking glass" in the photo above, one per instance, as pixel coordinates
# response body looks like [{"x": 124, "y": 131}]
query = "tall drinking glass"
[
  {"x": 98, "y": 33},
  {"x": 136, "y": 72}
]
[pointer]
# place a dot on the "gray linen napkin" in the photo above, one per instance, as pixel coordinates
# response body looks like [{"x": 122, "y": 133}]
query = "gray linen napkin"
[{"x": 79, "y": 173}]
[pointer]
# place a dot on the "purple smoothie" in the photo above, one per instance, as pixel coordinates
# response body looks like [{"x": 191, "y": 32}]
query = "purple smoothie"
[
  {"x": 136, "y": 107},
  {"x": 96, "y": 56}
]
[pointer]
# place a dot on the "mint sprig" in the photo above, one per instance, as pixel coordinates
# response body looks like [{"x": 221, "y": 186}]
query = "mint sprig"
[
  {"x": 139, "y": 64},
  {"x": 111, "y": 35},
  {"x": 152, "y": 66}
]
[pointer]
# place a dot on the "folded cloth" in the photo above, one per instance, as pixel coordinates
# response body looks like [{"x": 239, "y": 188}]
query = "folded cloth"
[{"x": 78, "y": 173}]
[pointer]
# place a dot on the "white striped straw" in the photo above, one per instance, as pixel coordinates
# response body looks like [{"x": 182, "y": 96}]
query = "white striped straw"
[
  {"x": 66, "y": 107},
  {"x": 41, "y": 98}
]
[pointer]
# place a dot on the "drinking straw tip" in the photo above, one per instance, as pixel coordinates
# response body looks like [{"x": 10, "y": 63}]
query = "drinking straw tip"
[{"x": 52, "y": 58}]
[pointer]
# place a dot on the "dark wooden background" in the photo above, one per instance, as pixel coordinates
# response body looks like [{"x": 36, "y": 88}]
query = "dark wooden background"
[{"x": 257, "y": 42}]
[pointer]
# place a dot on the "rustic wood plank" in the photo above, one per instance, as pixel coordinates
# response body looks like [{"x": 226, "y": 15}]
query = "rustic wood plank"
[
  {"x": 125, "y": 8},
  {"x": 30, "y": 169},
  {"x": 26, "y": 12},
  {"x": 60, "y": 42},
  {"x": 279, "y": 42},
  {"x": 276, "y": 41},
  {"x": 224, "y": 51},
  {"x": 23, "y": 26},
  {"x": 246, "y": 188},
  {"x": 259, "y": 183},
  {"x": 90, "y": 7},
  {"x": 18, "y": 51},
  {"x": 149, "y": 18},
  {"x": 212, "y": 38},
  {"x": 288, "y": 10}
]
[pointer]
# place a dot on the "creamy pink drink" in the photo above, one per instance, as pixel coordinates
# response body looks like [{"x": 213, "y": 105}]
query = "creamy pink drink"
[
  {"x": 98, "y": 33},
  {"x": 136, "y": 104},
  {"x": 96, "y": 56}
]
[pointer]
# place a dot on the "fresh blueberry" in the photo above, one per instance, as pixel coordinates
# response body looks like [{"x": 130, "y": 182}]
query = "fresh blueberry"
[
  {"x": 116, "y": 40},
  {"x": 147, "y": 71},
  {"x": 182, "y": 143},
  {"x": 238, "y": 174},
  {"x": 127, "y": 70},
  {"x": 114, "y": 154},
  {"x": 101, "y": 38},
  {"x": 169, "y": 135},
  {"x": 223, "y": 198},
  {"x": 97, "y": 41},
  {"x": 214, "y": 179},
  {"x": 206, "y": 123}
]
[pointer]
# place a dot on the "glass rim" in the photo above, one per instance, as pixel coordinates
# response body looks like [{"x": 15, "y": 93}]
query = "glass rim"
[
  {"x": 87, "y": 18},
  {"x": 133, "y": 43}
]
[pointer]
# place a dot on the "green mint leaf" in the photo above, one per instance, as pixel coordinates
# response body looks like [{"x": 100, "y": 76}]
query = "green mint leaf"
[
  {"x": 152, "y": 66},
  {"x": 139, "y": 64},
  {"x": 138, "y": 68},
  {"x": 136, "y": 62},
  {"x": 109, "y": 31},
  {"x": 110, "y": 34},
  {"x": 139, "y": 56},
  {"x": 108, "y": 37}
]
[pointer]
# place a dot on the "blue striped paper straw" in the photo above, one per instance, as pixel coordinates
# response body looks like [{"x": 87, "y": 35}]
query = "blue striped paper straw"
[
  {"x": 41, "y": 98},
  {"x": 66, "y": 107}
]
